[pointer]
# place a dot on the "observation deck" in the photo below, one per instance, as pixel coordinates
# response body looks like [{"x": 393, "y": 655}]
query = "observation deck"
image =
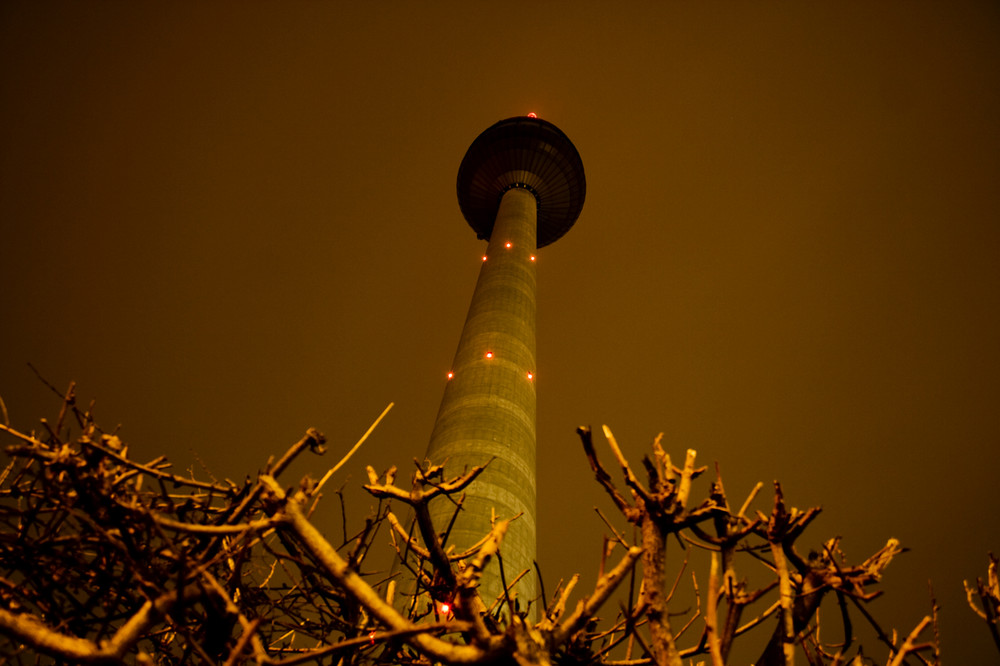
[{"x": 529, "y": 153}]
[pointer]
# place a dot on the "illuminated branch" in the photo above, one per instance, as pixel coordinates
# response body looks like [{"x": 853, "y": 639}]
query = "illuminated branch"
[
  {"x": 347, "y": 456},
  {"x": 585, "y": 609},
  {"x": 989, "y": 597},
  {"x": 111, "y": 561},
  {"x": 34, "y": 632},
  {"x": 337, "y": 568},
  {"x": 909, "y": 645},
  {"x": 602, "y": 475},
  {"x": 418, "y": 498}
]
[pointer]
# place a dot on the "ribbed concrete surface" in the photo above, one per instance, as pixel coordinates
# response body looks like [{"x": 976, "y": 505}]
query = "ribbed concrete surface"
[{"x": 488, "y": 409}]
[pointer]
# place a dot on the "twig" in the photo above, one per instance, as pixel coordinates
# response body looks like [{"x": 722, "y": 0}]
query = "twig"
[
  {"x": 909, "y": 645},
  {"x": 711, "y": 615},
  {"x": 347, "y": 456}
]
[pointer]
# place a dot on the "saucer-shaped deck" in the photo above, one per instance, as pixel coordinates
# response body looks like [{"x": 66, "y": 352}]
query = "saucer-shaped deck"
[{"x": 522, "y": 152}]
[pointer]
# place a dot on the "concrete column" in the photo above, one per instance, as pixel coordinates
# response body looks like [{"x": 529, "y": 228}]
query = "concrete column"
[{"x": 488, "y": 409}]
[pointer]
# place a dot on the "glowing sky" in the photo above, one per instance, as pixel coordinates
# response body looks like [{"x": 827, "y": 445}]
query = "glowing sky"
[{"x": 231, "y": 222}]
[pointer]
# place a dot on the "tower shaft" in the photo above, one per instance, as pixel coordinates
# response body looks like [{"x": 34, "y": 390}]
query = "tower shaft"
[
  {"x": 487, "y": 413},
  {"x": 520, "y": 186}
]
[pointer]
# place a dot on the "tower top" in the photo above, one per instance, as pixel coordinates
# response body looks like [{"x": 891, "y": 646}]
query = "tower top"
[{"x": 525, "y": 152}]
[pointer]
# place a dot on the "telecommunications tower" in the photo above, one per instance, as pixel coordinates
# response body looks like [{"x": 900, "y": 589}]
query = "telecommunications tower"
[{"x": 521, "y": 186}]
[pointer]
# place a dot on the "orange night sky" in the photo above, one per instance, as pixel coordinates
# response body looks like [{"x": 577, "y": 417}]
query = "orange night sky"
[{"x": 229, "y": 222}]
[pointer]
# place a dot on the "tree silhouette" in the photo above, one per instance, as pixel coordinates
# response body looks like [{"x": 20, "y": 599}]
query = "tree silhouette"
[{"x": 104, "y": 559}]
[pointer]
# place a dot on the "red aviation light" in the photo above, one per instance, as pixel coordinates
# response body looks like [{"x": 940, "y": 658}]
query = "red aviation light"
[
  {"x": 489, "y": 354},
  {"x": 508, "y": 245},
  {"x": 451, "y": 375},
  {"x": 532, "y": 115},
  {"x": 484, "y": 257},
  {"x": 532, "y": 257},
  {"x": 531, "y": 375}
]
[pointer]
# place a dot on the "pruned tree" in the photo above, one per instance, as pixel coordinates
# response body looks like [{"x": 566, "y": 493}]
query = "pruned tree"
[
  {"x": 104, "y": 559},
  {"x": 988, "y": 592}
]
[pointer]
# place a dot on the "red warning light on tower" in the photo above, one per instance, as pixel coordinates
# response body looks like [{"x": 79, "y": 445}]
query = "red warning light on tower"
[
  {"x": 489, "y": 354},
  {"x": 507, "y": 245},
  {"x": 532, "y": 115}
]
